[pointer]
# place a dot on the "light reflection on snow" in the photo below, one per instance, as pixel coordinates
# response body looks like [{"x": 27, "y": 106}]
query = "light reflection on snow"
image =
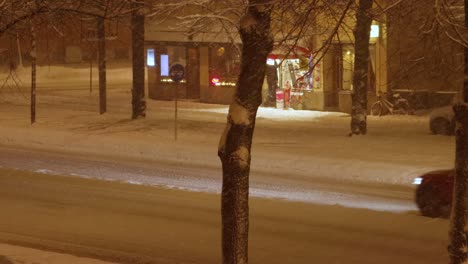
[
  {"x": 45, "y": 171},
  {"x": 134, "y": 182},
  {"x": 330, "y": 198},
  {"x": 275, "y": 192},
  {"x": 273, "y": 113},
  {"x": 191, "y": 179}
]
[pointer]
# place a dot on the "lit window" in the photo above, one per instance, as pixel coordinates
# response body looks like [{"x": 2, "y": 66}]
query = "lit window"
[
  {"x": 374, "y": 33},
  {"x": 164, "y": 65},
  {"x": 150, "y": 57}
]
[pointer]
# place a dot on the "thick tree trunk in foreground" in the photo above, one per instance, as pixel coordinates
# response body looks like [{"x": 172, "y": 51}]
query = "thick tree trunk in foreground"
[
  {"x": 361, "y": 68},
  {"x": 235, "y": 144},
  {"x": 101, "y": 34},
  {"x": 458, "y": 247},
  {"x": 33, "y": 73},
  {"x": 138, "y": 59},
  {"x": 458, "y": 229}
]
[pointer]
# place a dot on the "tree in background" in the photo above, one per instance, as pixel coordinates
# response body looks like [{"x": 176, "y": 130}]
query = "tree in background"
[
  {"x": 114, "y": 10},
  {"x": 101, "y": 35},
  {"x": 19, "y": 16},
  {"x": 138, "y": 60},
  {"x": 102, "y": 11},
  {"x": 33, "y": 71},
  {"x": 361, "y": 68},
  {"x": 15, "y": 14}
]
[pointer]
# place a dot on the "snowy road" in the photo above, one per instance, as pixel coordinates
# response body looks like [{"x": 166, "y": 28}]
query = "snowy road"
[
  {"x": 331, "y": 198},
  {"x": 140, "y": 224},
  {"x": 188, "y": 177}
]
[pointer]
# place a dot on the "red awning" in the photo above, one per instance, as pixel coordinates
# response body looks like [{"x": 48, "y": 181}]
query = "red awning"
[{"x": 283, "y": 51}]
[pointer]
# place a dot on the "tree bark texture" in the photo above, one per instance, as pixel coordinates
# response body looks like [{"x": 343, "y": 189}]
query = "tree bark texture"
[
  {"x": 235, "y": 144},
  {"x": 101, "y": 34},
  {"x": 458, "y": 228},
  {"x": 138, "y": 60},
  {"x": 458, "y": 223},
  {"x": 361, "y": 68},
  {"x": 33, "y": 73}
]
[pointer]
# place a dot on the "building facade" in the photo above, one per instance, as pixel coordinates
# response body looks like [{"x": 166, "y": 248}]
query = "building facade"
[
  {"x": 305, "y": 78},
  {"x": 74, "y": 42},
  {"x": 406, "y": 56},
  {"x": 210, "y": 60}
]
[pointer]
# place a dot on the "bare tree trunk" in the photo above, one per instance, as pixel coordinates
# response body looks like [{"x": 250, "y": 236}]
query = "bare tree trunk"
[
  {"x": 33, "y": 73},
  {"x": 458, "y": 247},
  {"x": 20, "y": 55},
  {"x": 138, "y": 59},
  {"x": 458, "y": 229},
  {"x": 101, "y": 34},
  {"x": 235, "y": 144},
  {"x": 91, "y": 75},
  {"x": 361, "y": 68}
]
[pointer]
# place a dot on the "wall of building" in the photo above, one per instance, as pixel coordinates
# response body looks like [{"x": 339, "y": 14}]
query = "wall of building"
[
  {"x": 73, "y": 42},
  {"x": 337, "y": 64}
]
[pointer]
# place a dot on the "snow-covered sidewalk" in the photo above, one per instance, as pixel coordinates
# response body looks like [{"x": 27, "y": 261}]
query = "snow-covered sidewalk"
[{"x": 10, "y": 254}]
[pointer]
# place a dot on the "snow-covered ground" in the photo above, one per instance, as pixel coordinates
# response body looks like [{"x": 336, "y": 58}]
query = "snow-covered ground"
[
  {"x": 291, "y": 146},
  {"x": 10, "y": 254},
  {"x": 308, "y": 144}
]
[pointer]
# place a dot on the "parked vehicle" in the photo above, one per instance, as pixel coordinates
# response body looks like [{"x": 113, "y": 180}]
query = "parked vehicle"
[
  {"x": 434, "y": 193},
  {"x": 442, "y": 121}
]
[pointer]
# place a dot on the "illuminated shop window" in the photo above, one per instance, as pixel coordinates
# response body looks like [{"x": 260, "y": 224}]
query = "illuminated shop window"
[{"x": 224, "y": 65}]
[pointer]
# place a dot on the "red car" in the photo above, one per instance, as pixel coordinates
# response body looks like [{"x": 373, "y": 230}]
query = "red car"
[{"x": 434, "y": 193}]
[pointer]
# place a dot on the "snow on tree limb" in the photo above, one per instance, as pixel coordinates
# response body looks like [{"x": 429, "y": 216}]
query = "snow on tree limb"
[
  {"x": 238, "y": 114},
  {"x": 248, "y": 23},
  {"x": 242, "y": 156},
  {"x": 222, "y": 140}
]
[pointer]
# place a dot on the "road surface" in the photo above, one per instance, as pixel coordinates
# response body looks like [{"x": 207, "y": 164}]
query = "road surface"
[
  {"x": 133, "y": 223},
  {"x": 208, "y": 179}
]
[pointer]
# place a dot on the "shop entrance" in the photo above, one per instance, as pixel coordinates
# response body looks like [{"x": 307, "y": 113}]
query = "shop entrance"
[
  {"x": 348, "y": 68},
  {"x": 334, "y": 79}
]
